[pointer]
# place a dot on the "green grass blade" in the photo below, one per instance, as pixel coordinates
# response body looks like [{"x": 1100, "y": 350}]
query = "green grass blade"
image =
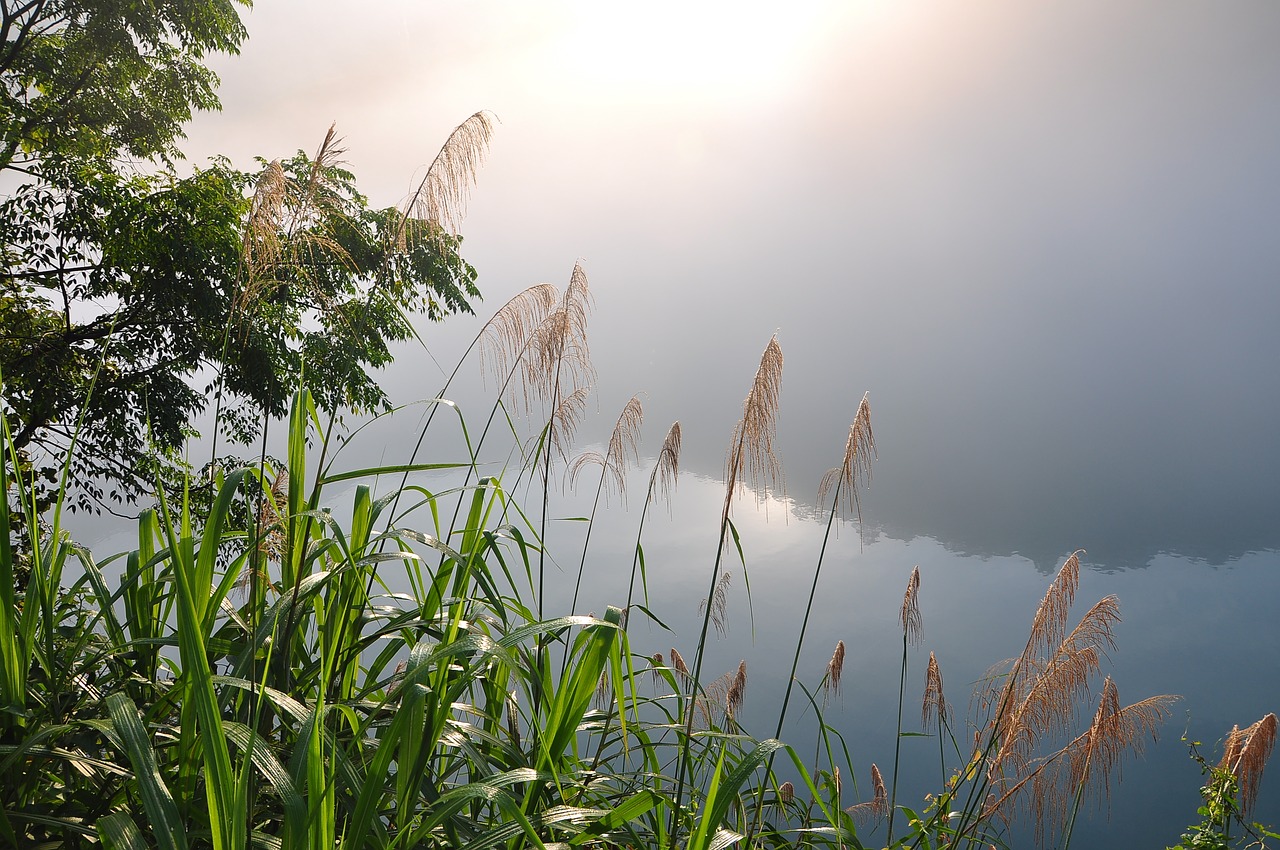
[
  {"x": 119, "y": 832},
  {"x": 157, "y": 801}
]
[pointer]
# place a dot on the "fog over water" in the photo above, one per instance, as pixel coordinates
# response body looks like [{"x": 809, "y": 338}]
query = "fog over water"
[{"x": 1042, "y": 236}]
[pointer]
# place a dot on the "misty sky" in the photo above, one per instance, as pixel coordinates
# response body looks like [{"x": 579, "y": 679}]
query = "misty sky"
[{"x": 1042, "y": 237}]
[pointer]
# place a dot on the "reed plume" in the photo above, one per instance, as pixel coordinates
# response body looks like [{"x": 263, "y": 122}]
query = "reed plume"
[
  {"x": 558, "y": 355},
  {"x": 878, "y": 806},
  {"x": 1036, "y": 697},
  {"x": 835, "y": 670},
  {"x": 912, "y": 623},
  {"x": 623, "y": 448},
  {"x": 751, "y": 460},
  {"x": 786, "y": 793},
  {"x": 719, "y": 607},
  {"x": 677, "y": 663},
  {"x": 934, "y": 707},
  {"x": 260, "y": 246},
  {"x": 854, "y": 472},
  {"x": 1042, "y": 691},
  {"x": 441, "y": 197},
  {"x": 604, "y": 689},
  {"x": 288, "y": 227},
  {"x": 1050, "y": 623},
  {"x": 737, "y": 690},
  {"x": 270, "y": 518},
  {"x": 718, "y": 699},
  {"x": 1245, "y": 754},
  {"x": 1059, "y": 783},
  {"x": 503, "y": 339},
  {"x": 564, "y": 421},
  {"x": 661, "y": 480},
  {"x": 667, "y": 468}
]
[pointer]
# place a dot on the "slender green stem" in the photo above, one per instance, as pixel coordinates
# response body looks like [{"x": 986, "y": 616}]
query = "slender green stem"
[{"x": 897, "y": 744}]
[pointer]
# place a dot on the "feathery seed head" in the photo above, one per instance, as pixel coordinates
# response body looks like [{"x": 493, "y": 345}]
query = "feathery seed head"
[
  {"x": 1245, "y": 754},
  {"x": 667, "y": 468},
  {"x": 854, "y": 472},
  {"x": 835, "y": 669},
  {"x": 878, "y": 805},
  {"x": 935, "y": 702},
  {"x": 719, "y": 604},
  {"x": 751, "y": 459},
  {"x": 441, "y": 197},
  {"x": 504, "y": 338},
  {"x": 623, "y": 448},
  {"x": 912, "y": 624}
]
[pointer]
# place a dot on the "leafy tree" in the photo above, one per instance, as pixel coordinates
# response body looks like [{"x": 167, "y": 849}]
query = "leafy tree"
[
  {"x": 107, "y": 77},
  {"x": 131, "y": 297}
]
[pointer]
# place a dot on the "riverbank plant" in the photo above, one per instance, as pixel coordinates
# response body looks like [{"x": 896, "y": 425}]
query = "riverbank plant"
[{"x": 270, "y": 667}]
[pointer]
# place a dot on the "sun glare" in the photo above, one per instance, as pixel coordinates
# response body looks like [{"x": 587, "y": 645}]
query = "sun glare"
[{"x": 690, "y": 50}]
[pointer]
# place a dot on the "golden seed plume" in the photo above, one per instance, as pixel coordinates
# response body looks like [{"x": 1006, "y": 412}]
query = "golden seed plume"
[
  {"x": 288, "y": 228},
  {"x": 751, "y": 458},
  {"x": 1115, "y": 730},
  {"x": 604, "y": 689},
  {"x": 737, "y": 692},
  {"x": 441, "y": 197},
  {"x": 1042, "y": 694},
  {"x": 722, "y": 697},
  {"x": 878, "y": 805},
  {"x": 786, "y": 793},
  {"x": 719, "y": 604},
  {"x": 666, "y": 470},
  {"x": 934, "y": 706},
  {"x": 1050, "y": 623},
  {"x": 623, "y": 449},
  {"x": 912, "y": 623},
  {"x": 835, "y": 669},
  {"x": 1084, "y": 767},
  {"x": 504, "y": 337},
  {"x": 261, "y": 246},
  {"x": 557, "y": 356},
  {"x": 1245, "y": 754},
  {"x": 1037, "y": 697},
  {"x": 565, "y": 420},
  {"x": 677, "y": 663},
  {"x": 854, "y": 471}
]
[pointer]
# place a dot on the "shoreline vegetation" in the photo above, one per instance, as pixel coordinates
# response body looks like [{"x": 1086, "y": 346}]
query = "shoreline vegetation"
[
  {"x": 253, "y": 672},
  {"x": 252, "y": 680}
]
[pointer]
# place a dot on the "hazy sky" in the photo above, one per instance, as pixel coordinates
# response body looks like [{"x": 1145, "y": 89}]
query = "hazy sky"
[{"x": 1042, "y": 235}]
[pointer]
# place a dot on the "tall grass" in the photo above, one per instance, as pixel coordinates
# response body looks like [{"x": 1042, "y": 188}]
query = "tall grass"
[{"x": 272, "y": 683}]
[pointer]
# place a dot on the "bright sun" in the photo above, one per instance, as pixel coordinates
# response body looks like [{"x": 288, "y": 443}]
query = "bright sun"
[{"x": 678, "y": 50}]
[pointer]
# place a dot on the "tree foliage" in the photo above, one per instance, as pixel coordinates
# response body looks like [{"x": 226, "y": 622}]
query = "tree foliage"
[
  {"x": 107, "y": 77},
  {"x": 133, "y": 297}
]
